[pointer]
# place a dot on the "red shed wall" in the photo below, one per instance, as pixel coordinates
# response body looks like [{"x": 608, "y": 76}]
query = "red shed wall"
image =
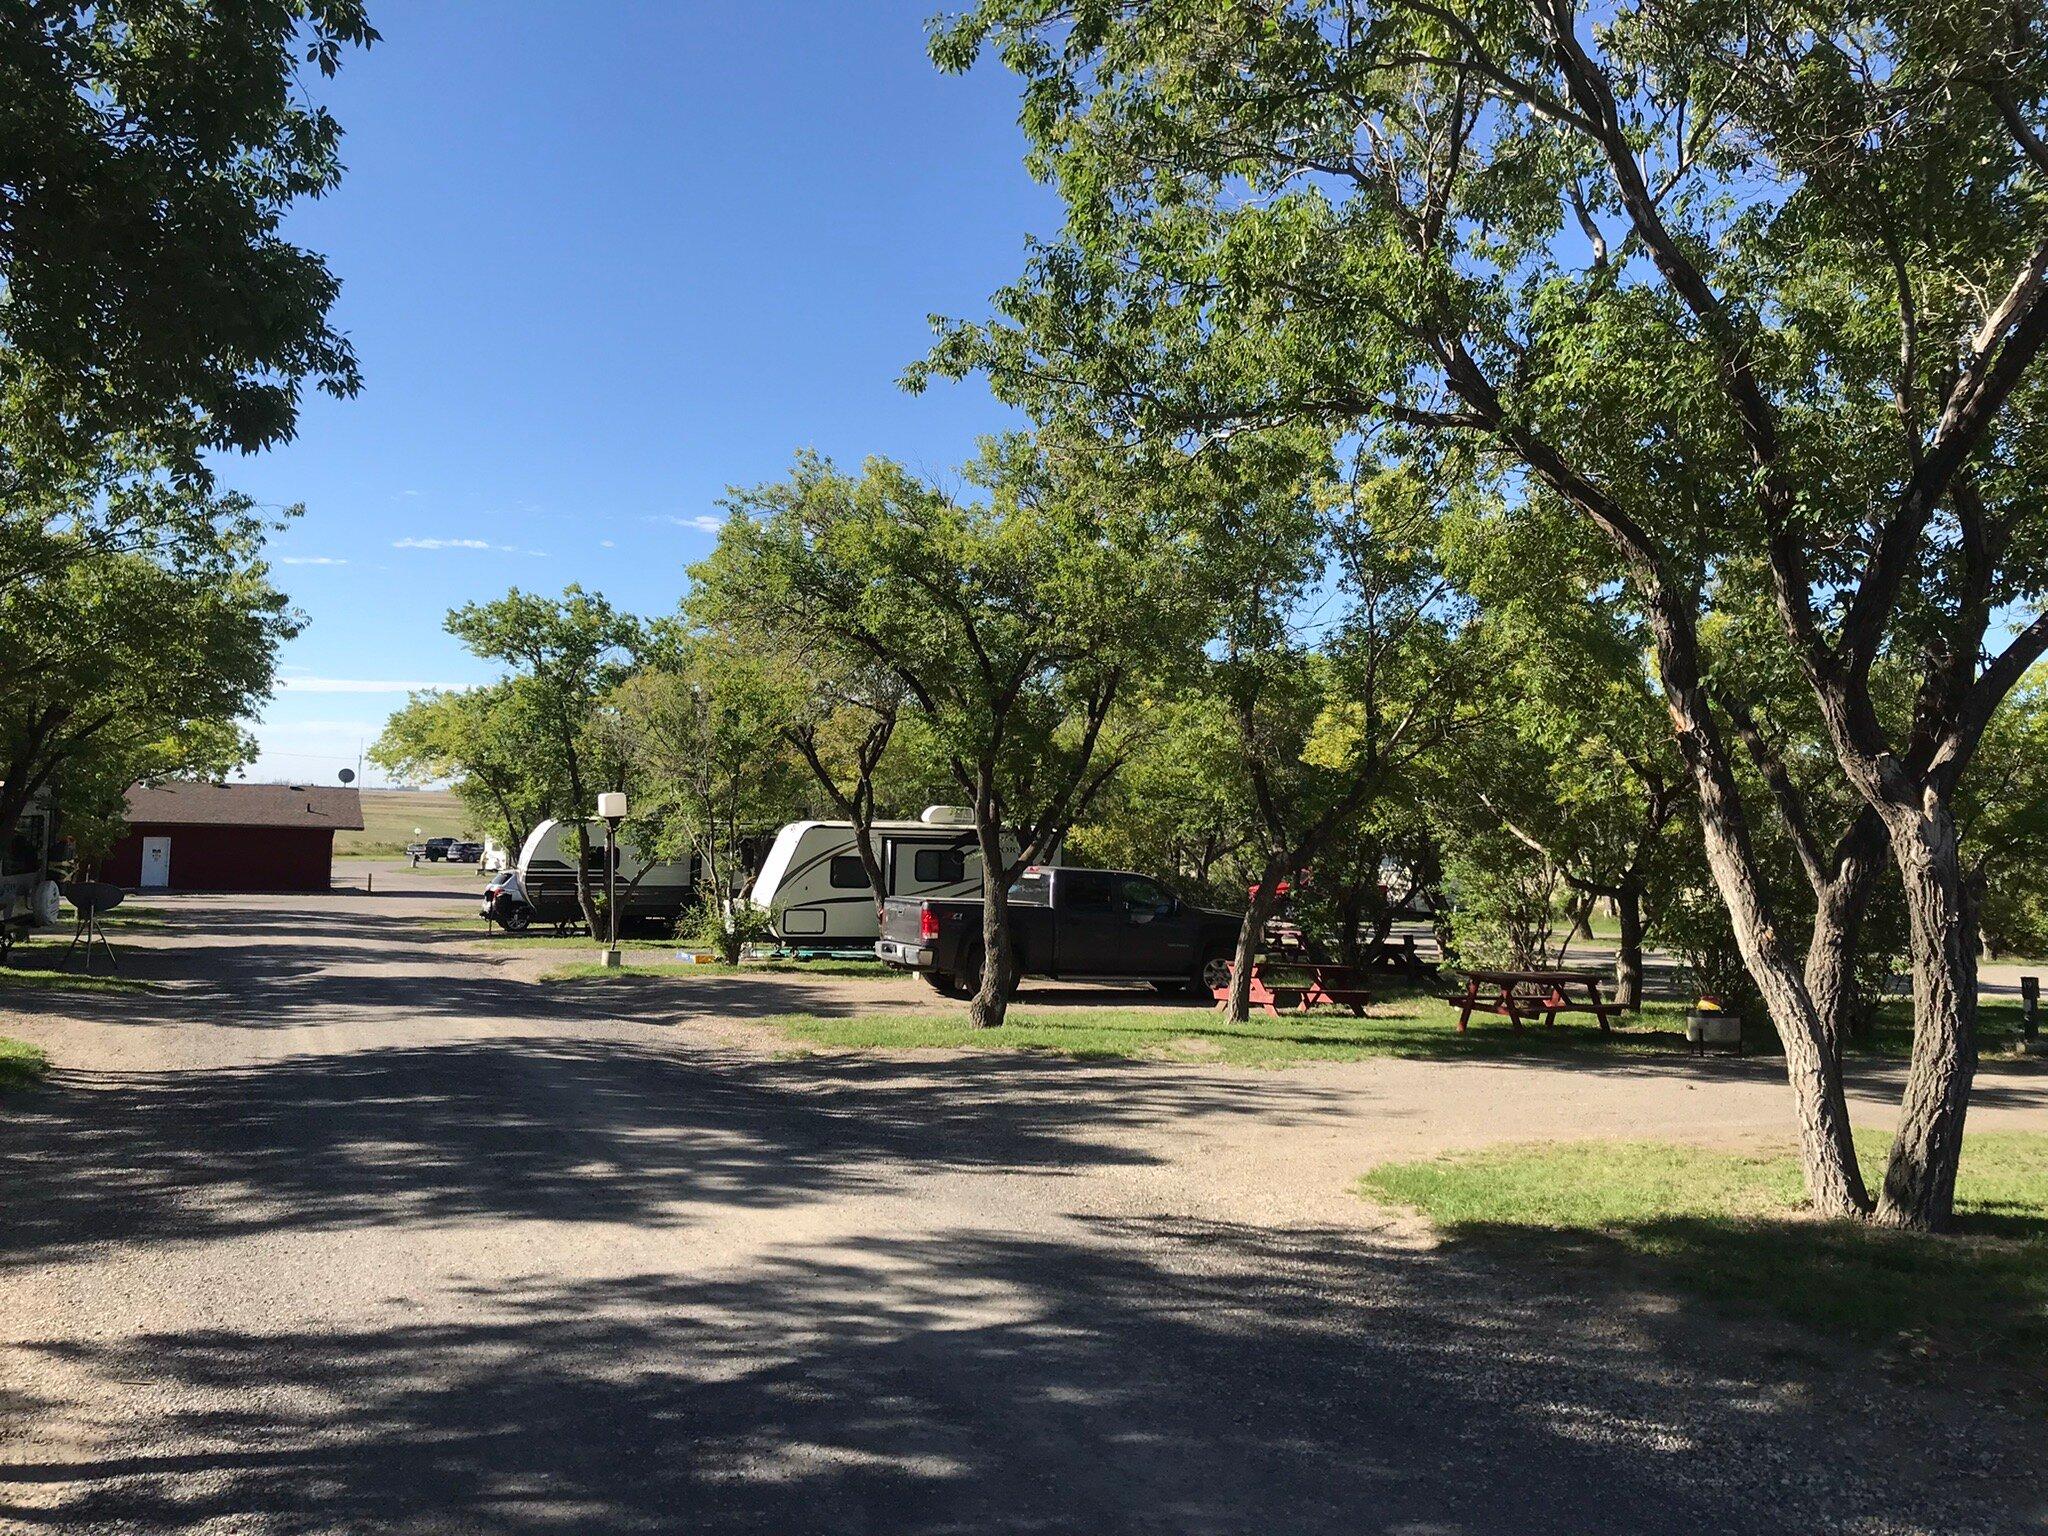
[{"x": 231, "y": 858}]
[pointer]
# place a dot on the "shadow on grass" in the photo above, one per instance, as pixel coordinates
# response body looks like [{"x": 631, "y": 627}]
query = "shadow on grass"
[{"x": 1727, "y": 1229}]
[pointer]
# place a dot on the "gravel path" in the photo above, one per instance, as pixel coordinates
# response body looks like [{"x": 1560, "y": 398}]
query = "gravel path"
[{"x": 347, "y": 1226}]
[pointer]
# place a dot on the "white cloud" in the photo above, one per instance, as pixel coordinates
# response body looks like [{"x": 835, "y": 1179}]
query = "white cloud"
[
  {"x": 309, "y": 560},
  {"x": 606, "y": 544},
  {"x": 363, "y": 685},
  {"x": 502, "y": 549},
  {"x": 703, "y": 524}
]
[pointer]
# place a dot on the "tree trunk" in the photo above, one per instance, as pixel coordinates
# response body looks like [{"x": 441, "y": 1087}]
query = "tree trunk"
[
  {"x": 992, "y": 998},
  {"x": 1628, "y": 955},
  {"x": 1920, "y": 1182},
  {"x": 584, "y": 896},
  {"x": 1251, "y": 937},
  {"x": 1838, "y": 910}
]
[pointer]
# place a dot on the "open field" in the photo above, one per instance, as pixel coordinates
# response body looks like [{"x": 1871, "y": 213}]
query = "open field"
[
  {"x": 1729, "y": 1227},
  {"x": 389, "y": 816}
]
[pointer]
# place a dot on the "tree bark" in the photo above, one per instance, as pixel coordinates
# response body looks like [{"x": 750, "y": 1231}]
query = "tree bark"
[
  {"x": 1920, "y": 1181},
  {"x": 992, "y": 998},
  {"x": 1628, "y": 954},
  {"x": 1840, "y": 902},
  {"x": 1251, "y": 935}
]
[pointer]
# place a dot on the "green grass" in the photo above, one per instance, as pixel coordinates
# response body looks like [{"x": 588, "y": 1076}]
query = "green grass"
[
  {"x": 591, "y": 971},
  {"x": 21, "y": 1065},
  {"x": 1405, "y": 1024},
  {"x": 389, "y": 815},
  {"x": 1730, "y": 1228},
  {"x": 18, "y": 977}
]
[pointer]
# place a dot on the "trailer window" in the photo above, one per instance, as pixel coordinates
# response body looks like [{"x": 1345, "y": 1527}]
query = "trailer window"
[
  {"x": 939, "y": 866},
  {"x": 848, "y": 873}
]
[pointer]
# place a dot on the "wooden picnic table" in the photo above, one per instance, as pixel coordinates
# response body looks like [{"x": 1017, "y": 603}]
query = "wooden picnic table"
[
  {"x": 1300, "y": 985},
  {"x": 1520, "y": 995}
]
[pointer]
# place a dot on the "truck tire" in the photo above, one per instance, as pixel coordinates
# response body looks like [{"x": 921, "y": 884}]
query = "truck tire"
[
  {"x": 969, "y": 979},
  {"x": 1213, "y": 972},
  {"x": 942, "y": 982}
]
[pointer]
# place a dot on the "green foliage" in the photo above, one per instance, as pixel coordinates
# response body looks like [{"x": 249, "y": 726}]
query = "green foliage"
[
  {"x": 489, "y": 744},
  {"x": 142, "y": 629},
  {"x": 148, "y": 156},
  {"x": 567, "y": 655},
  {"x": 1013, "y": 623},
  {"x": 699, "y": 729}
]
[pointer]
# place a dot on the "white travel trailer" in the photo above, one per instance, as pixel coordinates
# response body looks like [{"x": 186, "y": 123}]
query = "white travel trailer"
[
  {"x": 656, "y": 893},
  {"x": 28, "y": 891},
  {"x": 815, "y": 889}
]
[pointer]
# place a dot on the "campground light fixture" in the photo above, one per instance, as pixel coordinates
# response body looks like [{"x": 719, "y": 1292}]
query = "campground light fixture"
[{"x": 611, "y": 809}]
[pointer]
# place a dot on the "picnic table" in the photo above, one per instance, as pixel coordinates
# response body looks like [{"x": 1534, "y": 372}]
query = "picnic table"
[
  {"x": 1300, "y": 985},
  {"x": 1520, "y": 995}
]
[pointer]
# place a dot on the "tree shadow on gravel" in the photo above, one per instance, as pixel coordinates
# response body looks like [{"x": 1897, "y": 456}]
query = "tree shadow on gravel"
[
  {"x": 1141, "y": 1376},
  {"x": 551, "y": 1128}
]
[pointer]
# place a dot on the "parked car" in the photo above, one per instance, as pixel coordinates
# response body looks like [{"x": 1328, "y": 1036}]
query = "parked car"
[
  {"x": 505, "y": 902},
  {"x": 435, "y": 849},
  {"x": 465, "y": 853},
  {"x": 1066, "y": 925}
]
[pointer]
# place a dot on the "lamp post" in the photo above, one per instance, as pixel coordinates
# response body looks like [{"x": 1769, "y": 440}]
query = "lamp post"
[{"x": 611, "y": 807}]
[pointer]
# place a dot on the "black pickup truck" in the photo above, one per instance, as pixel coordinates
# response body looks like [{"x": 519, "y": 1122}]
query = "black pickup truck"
[{"x": 1066, "y": 925}]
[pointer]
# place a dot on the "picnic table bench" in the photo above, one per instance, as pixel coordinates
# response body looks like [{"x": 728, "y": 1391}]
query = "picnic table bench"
[
  {"x": 1520, "y": 995},
  {"x": 1300, "y": 985}
]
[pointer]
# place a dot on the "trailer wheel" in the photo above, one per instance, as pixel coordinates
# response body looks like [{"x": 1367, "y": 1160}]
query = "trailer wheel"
[{"x": 516, "y": 917}]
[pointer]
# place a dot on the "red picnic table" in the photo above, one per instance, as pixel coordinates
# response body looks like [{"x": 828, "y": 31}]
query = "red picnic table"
[
  {"x": 1520, "y": 995},
  {"x": 1301, "y": 985}
]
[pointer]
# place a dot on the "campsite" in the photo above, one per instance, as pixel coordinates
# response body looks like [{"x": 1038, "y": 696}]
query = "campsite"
[{"x": 1169, "y": 768}]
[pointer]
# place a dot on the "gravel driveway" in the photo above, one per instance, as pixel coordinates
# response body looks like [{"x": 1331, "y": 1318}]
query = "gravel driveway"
[{"x": 348, "y": 1226}]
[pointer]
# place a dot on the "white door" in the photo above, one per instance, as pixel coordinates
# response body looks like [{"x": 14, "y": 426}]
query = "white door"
[{"x": 156, "y": 863}]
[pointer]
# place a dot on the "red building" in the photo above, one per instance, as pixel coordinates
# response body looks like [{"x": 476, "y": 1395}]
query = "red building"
[{"x": 232, "y": 837}]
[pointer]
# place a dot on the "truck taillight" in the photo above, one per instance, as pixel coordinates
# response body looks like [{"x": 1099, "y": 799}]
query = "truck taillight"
[{"x": 927, "y": 922}]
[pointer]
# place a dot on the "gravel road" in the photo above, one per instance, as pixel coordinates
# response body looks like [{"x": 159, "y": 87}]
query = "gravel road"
[{"x": 347, "y": 1226}]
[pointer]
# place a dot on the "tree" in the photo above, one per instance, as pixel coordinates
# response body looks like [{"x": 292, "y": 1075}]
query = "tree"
[
  {"x": 568, "y": 654},
  {"x": 489, "y": 745},
  {"x": 148, "y": 156},
  {"x": 701, "y": 727},
  {"x": 1755, "y": 294},
  {"x": 1015, "y": 623},
  {"x": 137, "y": 662},
  {"x": 838, "y": 712}
]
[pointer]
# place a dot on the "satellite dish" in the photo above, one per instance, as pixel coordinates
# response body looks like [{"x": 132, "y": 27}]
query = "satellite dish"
[
  {"x": 348, "y": 775},
  {"x": 92, "y": 895}
]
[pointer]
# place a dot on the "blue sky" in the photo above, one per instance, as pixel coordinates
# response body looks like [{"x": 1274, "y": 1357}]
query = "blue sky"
[{"x": 600, "y": 262}]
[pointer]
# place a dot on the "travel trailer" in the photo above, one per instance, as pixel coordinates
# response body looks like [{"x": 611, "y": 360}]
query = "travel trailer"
[
  {"x": 28, "y": 892},
  {"x": 656, "y": 894},
  {"x": 815, "y": 890}
]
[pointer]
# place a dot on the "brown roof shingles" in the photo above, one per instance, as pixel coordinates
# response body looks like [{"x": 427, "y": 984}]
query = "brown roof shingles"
[{"x": 246, "y": 805}]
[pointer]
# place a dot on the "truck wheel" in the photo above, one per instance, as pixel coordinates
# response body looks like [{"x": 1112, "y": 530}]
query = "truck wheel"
[
  {"x": 969, "y": 980},
  {"x": 943, "y": 982},
  {"x": 1214, "y": 974}
]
